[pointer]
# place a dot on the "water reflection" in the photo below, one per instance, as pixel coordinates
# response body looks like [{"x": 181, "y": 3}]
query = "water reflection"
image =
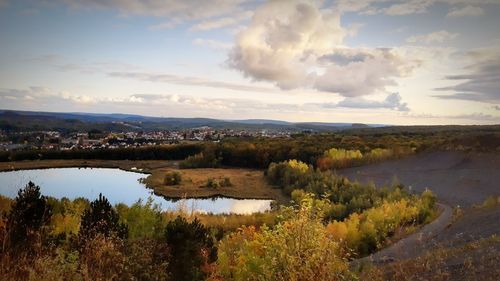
[{"x": 118, "y": 186}]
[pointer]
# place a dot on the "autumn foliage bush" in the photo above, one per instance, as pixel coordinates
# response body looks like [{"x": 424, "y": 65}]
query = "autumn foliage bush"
[{"x": 297, "y": 248}]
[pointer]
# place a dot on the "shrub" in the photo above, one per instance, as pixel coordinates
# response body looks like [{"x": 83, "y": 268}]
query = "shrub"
[
  {"x": 298, "y": 248},
  {"x": 147, "y": 259},
  {"x": 216, "y": 183},
  {"x": 212, "y": 183},
  {"x": 288, "y": 173},
  {"x": 366, "y": 232},
  {"x": 101, "y": 258},
  {"x": 173, "y": 178},
  {"x": 490, "y": 202},
  {"x": 61, "y": 265},
  {"x": 226, "y": 182},
  {"x": 144, "y": 220},
  {"x": 336, "y": 158}
]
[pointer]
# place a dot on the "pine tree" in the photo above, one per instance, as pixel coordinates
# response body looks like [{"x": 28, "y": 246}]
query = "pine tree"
[
  {"x": 29, "y": 214},
  {"x": 101, "y": 218},
  {"x": 187, "y": 243}
]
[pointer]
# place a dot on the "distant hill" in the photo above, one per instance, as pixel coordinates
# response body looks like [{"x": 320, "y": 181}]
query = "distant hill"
[{"x": 37, "y": 120}]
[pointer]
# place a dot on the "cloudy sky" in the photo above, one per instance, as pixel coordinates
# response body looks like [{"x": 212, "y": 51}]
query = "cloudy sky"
[{"x": 370, "y": 61}]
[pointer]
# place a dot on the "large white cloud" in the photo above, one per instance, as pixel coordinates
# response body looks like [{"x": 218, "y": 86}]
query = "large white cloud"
[{"x": 297, "y": 44}]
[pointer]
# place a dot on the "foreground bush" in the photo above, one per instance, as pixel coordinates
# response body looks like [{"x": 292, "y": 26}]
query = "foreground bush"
[{"x": 298, "y": 248}]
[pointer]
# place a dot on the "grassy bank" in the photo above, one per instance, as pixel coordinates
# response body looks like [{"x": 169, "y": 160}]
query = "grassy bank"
[{"x": 244, "y": 183}]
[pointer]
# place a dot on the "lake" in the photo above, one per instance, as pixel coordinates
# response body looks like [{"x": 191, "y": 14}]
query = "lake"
[{"x": 118, "y": 186}]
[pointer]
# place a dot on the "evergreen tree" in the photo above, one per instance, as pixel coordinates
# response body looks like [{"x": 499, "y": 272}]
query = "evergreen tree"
[
  {"x": 29, "y": 214},
  {"x": 101, "y": 218},
  {"x": 190, "y": 247}
]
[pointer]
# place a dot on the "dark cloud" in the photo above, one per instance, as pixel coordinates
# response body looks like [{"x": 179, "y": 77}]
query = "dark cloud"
[
  {"x": 184, "y": 9},
  {"x": 393, "y": 102},
  {"x": 482, "y": 83},
  {"x": 344, "y": 58},
  {"x": 185, "y": 80}
]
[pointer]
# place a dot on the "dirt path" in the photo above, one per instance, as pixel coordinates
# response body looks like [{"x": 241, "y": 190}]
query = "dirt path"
[{"x": 410, "y": 246}]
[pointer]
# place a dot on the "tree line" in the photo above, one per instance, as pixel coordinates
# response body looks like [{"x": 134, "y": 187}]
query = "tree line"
[{"x": 160, "y": 152}]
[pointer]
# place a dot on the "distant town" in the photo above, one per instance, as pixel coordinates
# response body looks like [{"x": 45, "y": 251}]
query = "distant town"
[{"x": 96, "y": 139}]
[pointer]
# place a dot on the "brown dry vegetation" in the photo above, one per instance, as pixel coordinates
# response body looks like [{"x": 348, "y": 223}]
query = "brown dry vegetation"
[{"x": 245, "y": 183}]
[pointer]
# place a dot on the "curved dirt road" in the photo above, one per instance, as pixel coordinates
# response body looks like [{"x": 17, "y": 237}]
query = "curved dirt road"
[
  {"x": 457, "y": 178},
  {"x": 409, "y": 247}
]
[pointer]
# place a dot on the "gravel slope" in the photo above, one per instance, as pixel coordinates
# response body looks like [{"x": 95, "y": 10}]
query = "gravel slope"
[{"x": 457, "y": 178}]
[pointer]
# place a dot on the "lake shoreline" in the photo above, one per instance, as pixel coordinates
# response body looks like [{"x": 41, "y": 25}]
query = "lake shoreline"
[
  {"x": 119, "y": 187},
  {"x": 141, "y": 166},
  {"x": 254, "y": 187}
]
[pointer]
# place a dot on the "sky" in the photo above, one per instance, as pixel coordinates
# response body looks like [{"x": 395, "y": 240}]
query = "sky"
[{"x": 401, "y": 62}]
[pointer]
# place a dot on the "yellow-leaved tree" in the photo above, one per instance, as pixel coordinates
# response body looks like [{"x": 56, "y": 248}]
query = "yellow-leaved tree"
[{"x": 297, "y": 248}]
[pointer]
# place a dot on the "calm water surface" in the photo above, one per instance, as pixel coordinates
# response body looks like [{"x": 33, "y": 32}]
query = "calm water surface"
[{"x": 117, "y": 185}]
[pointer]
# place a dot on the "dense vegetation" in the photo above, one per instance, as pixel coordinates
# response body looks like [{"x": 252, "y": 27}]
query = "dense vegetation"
[{"x": 331, "y": 222}]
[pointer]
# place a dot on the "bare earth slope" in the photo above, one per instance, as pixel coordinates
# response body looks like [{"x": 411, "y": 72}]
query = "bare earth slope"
[
  {"x": 466, "y": 247},
  {"x": 457, "y": 178}
]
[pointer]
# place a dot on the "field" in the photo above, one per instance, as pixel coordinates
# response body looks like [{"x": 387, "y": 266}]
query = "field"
[{"x": 245, "y": 183}]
